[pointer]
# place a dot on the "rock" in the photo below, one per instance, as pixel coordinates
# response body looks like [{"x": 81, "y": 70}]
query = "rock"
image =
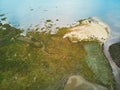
[
  {"x": 79, "y": 83},
  {"x": 93, "y": 32},
  {"x": 41, "y": 61},
  {"x": 114, "y": 50}
]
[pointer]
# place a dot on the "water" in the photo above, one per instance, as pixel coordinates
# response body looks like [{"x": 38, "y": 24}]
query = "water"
[
  {"x": 24, "y": 13},
  {"x": 116, "y": 70}
]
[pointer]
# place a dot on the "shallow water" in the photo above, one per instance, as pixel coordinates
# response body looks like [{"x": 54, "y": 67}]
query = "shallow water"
[
  {"x": 116, "y": 70},
  {"x": 23, "y": 13}
]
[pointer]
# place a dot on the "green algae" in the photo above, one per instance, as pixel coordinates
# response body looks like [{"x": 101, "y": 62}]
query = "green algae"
[
  {"x": 48, "y": 20},
  {"x": 41, "y": 61},
  {"x": 99, "y": 64},
  {"x": 3, "y": 19},
  {"x": 57, "y": 19}
]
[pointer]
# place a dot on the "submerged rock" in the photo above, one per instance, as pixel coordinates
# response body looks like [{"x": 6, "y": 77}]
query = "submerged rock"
[{"x": 79, "y": 83}]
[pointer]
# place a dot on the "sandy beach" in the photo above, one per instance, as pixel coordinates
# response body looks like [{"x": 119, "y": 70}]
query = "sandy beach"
[{"x": 88, "y": 30}]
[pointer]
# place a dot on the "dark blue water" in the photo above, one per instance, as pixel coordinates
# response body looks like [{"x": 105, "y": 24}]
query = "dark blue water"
[{"x": 24, "y": 13}]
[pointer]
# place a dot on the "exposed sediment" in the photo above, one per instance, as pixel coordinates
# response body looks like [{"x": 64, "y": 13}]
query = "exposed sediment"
[
  {"x": 44, "y": 61},
  {"x": 89, "y": 30}
]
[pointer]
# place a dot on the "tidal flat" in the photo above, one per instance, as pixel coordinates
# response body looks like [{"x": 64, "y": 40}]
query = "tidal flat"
[{"x": 45, "y": 61}]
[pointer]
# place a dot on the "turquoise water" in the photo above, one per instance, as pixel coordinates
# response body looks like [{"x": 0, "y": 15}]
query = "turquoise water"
[{"x": 24, "y": 13}]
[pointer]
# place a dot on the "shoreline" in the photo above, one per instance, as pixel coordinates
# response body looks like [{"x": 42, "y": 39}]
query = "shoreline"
[
  {"x": 85, "y": 58},
  {"x": 99, "y": 32},
  {"x": 115, "y": 69},
  {"x": 89, "y": 30}
]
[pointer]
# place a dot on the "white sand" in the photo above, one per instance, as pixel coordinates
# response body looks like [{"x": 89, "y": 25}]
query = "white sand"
[{"x": 89, "y": 31}]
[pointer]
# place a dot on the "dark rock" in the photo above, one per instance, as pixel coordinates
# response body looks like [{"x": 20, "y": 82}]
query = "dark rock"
[{"x": 114, "y": 50}]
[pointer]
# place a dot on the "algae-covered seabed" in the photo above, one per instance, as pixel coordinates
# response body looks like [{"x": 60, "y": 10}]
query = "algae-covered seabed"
[{"x": 43, "y": 61}]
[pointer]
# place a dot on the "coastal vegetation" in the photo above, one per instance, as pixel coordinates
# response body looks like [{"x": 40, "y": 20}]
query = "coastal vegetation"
[{"x": 44, "y": 61}]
